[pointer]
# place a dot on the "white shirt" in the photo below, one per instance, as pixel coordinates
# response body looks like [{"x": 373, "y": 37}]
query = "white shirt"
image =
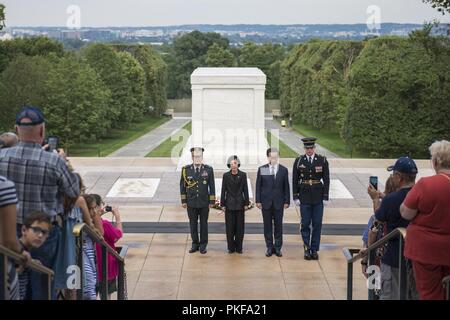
[
  {"x": 310, "y": 158},
  {"x": 275, "y": 166}
]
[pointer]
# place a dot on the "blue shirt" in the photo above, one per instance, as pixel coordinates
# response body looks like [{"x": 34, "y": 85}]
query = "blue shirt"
[
  {"x": 389, "y": 212},
  {"x": 365, "y": 237}
]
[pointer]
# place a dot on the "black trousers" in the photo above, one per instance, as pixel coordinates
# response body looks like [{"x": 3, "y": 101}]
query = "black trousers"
[
  {"x": 235, "y": 227},
  {"x": 203, "y": 214},
  {"x": 275, "y": 216}
]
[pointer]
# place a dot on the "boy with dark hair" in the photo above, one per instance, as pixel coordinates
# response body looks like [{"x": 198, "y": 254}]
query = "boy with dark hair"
[{"x": 35, "y": 230}]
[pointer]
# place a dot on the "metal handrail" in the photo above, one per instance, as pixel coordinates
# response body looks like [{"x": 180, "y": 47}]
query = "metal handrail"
[
  {"x": 78, "y": 231},
  {"x": 446, "y": 284},
  {"x": 6, "y": 253},
  {"x": 353, "y": 255}
]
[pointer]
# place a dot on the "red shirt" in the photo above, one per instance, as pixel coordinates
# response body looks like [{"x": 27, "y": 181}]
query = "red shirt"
[
  {"x": 111, "y": 236},
  {"x": 428, "y": 234}
]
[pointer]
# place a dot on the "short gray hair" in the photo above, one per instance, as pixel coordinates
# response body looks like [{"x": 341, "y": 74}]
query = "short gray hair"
[
  {"x": 10, "y": 139},
  {"x": 440, "y": 152}
]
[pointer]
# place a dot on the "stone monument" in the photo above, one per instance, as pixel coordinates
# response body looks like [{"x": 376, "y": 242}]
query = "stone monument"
[{"x": 228, "y": 116}]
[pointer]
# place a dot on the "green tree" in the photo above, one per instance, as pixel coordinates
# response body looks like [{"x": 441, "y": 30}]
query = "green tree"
[
  {"x": 2, "y": 16},
  {"x": 22, "y": 83},
  {"x": 218, "y": 56},
  {"x": 135, "y": 75},
  {"x": 77, "y": 102},
  {"x": 37, "y": 46},
  {"x": 265, "y": 57},
  {"x": 399, "y": 98},
  {"x": 188, "y": 53},
  {"x": 442, "y": 6},
  {"x": 107, "y": 63},
  {"x": 155, "y": 70}
]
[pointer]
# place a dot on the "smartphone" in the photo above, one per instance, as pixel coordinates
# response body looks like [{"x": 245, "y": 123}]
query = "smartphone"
[
  {"x": 53, "y": 143},
  {"x": 373, "y": 180}
]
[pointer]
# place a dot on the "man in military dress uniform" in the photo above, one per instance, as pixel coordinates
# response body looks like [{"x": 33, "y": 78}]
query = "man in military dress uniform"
[
  {"x": 197, "y": 195},
  {"x": 310, "y": 185}
]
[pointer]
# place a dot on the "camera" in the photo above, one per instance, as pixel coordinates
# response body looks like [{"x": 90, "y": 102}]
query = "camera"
[
  {"x": 373, "y": 180},
  {"x": 52, "y": 142},
  {"x": 108, "y": 209}
]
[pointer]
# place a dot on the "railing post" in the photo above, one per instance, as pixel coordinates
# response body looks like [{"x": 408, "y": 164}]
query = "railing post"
[
  {"x": 3, "y": 277},
  {"x": 402, "y": 276},
  {"x": 447, "y": 285},
  {"x": 80, "y": 266},
  {"x": 121, "y": 282},
  {"x": 370, "y": 261},
  {"x": 104, "y": 283},
  {"x": 46, "y": 283},
  {"x": 349, "y": 281}
]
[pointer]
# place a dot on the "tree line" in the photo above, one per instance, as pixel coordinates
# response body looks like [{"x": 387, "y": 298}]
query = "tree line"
[
  {"x": 386, "y": 96},
  {"x": 84, "y": 94}
]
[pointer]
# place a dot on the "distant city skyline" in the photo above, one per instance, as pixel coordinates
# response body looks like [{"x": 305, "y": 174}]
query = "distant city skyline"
[{"x": 136, "y": 13}]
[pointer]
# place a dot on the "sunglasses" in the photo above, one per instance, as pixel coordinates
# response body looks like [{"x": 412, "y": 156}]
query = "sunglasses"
[{"x": 38, "y": 230}]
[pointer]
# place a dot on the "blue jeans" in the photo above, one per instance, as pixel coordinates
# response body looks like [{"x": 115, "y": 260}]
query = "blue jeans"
[
  {"x": 311, "y": 215},
  {"x": 46, "y": 254}
]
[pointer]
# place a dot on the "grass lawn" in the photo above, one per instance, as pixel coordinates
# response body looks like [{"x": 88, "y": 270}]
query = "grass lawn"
[
  {"x": 165, "y": 148},
  {"x": 117, "y": 138},
  {"x": 285, "y": 151},
  {"x": 329, "y": 140}
]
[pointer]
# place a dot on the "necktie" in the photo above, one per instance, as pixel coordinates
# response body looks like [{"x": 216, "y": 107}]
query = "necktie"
[
  {"x": 310, "y": 160},
  {"x": 197, "y": 170},
  {"x": 273, "y": 172}
]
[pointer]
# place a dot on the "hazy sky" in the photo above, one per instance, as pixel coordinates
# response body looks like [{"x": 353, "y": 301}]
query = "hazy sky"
[{"x": 175, "y": 12}]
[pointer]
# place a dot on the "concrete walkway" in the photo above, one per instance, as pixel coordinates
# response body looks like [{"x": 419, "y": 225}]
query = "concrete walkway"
[
  {"x": 143, "y": 145},
  {"x": 292, "y": 139}
]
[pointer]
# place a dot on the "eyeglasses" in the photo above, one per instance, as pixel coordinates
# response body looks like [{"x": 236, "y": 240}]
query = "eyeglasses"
[{"x": 38, "y": 230}]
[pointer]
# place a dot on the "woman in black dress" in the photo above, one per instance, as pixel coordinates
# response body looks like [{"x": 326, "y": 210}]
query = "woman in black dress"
[{"x": 234, "y": 200}]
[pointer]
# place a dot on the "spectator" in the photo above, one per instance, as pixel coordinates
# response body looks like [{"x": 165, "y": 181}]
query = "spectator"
[
  {"x": 375, "y": 229},
  {"x": 428, "y": 241},
  {"x": 75, "y": 211},
  {"x": 404, "y": 176},
  {"x": 41, "y": 179},
  {"x": 8, "y": 239},
  {"x": 8, "y": 140},
  {"x": 112, "y": 234},
  {"x": 35, "y": 230},
  {"x": 89, "y": 258}
]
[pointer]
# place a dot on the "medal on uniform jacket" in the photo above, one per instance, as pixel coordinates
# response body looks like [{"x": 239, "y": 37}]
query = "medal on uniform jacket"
[
  {"x": 319, "y": 169},
  {"x": 204, "y": 182},
  {"x": 204, "y": 174}
]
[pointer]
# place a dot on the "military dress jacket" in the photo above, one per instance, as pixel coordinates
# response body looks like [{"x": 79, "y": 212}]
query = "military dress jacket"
[
  {"x": 311, "y": 181},
  {"x": 197, "y": 190}
]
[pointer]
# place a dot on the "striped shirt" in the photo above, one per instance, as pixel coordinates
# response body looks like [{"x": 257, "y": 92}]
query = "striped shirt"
[
  {"x": 41, "y": 178},
  {"x": 8, "y": 195}
]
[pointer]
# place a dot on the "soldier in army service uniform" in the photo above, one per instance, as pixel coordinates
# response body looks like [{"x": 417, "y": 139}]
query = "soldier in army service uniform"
[
  {"x": 310, "y": 185},
  {"x": 198, "y": 196}
]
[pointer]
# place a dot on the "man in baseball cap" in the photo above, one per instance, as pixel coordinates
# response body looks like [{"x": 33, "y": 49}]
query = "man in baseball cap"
[{"x": 404, "y": 172}]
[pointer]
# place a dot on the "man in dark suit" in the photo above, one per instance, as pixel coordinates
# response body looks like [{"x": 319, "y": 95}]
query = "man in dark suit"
[
  {"x": 197, "y": 191},
  {"x": 272, "y": 197},
  {"x": 310, "y": 187}
]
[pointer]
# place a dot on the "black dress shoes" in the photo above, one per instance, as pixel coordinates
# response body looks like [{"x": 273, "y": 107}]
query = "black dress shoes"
[
  {"x": 307, "y": 254},
  {"x": 230, "y": 251},
  {"x": 314, "y": 255},
  {"x": 203, "y": 251},
  {"x": 278, "y": 253},
  {"x": 269, "y": 252},
  {"x": 239, "y": 251},
  {"x": 193, "y": 249}
]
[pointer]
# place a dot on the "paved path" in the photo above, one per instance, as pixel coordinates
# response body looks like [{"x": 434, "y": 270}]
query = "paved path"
[
  {"x": 292, "y": 139},
  {"x": 146, "y": 143}
]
